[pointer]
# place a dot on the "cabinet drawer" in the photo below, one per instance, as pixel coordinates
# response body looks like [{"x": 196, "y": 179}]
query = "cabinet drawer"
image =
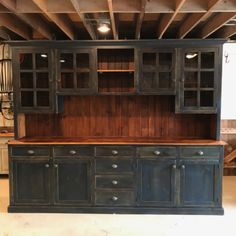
[
  {"x": 42, "y": 151},
  {"x": 64, "y": 151},
  {"x": 114, "y": 181},
  {"x": 114, "y": 166},
  {"x": 114, "y": 198},
  {"x": 157, "y": 151},
  {"x": 121, "y": 151},
  {"x": 199, "y": 152}
]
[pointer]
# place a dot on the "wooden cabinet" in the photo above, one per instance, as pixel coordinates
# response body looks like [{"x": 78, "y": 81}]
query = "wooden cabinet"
[
  {"x": 34, "y": 81},
  {"x": 30, "y": 181},
  {"x": 199, "y": 81},
  {"x": 157, "y": 71},
  {"x": 76, "y": 71}
]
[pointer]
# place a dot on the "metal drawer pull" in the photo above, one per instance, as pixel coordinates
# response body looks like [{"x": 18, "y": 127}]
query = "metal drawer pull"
[
  {"x": 174, "y": 166},
  {"x": 114, "y": 166},
  {"x": 200, "y": 153},
  {"x": 114, "y": 182},
  {"x": 157, "y": 153},
  {"x": 114, "y": 152},
  {"x": 31, "y": 152},
  {"x": 114, "y": 198},
  {"x": 47, "y": 165},
  {"x": 55, "y": 165},
  {"x": 72, "y": 152},
  {"x": 183, "y": 166}
]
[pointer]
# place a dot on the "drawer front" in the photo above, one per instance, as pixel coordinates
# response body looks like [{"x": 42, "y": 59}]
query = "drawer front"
[
  {"x": 76, "y": 151},
  {"x": 121, "y": 151},
  {"x": 199, "y": 152},
  {"x": 157, "y": 151},
  {"x": 114, "y": 166},
  {"x": 114, "y": 181},
  {"x": 120, "y": 198},
  {"x": 42, "y": 151}
]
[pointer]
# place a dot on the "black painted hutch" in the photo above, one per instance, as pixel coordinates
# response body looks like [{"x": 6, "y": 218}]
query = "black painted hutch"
[{"x": 117, "y": 127}]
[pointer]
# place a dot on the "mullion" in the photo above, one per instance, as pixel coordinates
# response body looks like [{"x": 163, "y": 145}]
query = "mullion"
[
  {"x": 157, "y": 70},
  {"x": 74, "y": 70},
  {"x": 198, "y": 80},
  {"x": 34, "y": 80}
]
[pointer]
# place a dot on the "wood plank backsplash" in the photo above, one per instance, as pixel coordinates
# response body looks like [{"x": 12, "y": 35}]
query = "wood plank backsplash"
[{"x": 120, "y": 116}]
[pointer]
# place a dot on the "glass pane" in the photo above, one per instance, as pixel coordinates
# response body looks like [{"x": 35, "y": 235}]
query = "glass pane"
[
  {"x": 42, "y": 80},
  {"x": 82, "y": 80},
  {"x": 149, "y": 59},
  {"x": 66, "y": 60},
  {"x": 207, "y": 79},
  {"x": 190, "y": 98},
  {"x": 67, "y": 80},
  {"x": 190, "y": 79},
  {"x": 82, "y": 61},
  {"x": 165, "y": 79},
  {"x": 27, "y": 98},
  {"x": 165, "y": 60},
  {"x": 41, "y": 61},
  {"x": 43, "y": 98},
  {"x": 207, "y": 60},
  {"x": 191, "y": 59},
  {"x": 149, "y": 80},
  {"x": 206, "y": 98},
  {"x": 26, "y": 61},
  {"x": 26, "y": 80}
]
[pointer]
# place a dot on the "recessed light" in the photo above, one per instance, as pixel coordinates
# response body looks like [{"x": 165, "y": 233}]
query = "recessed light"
[
  {"x": 103, "y": 28},
  {"x": 191, "y": 55},
  {"x": 44, "y": 55},
  {"x": 62, "y": 60}
]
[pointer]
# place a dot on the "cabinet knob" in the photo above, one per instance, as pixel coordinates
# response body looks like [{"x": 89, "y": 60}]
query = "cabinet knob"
[
  {"x": 183, "y": 166},
  {"x": 200, "y": 153},
  {"x": 55, "y": 165},
  {"x": 157, "y": 153},
  {"x": 31, "y": 152},
  {"x": 114, "y": 182},
  {"x": 47, "y": 165},
  {"x": 174, "y": 166},
  {"x": 114, "y": 166},
  {"x": 114, "y": 152},
  {"x": 114, "y": 198},
  {"x": 72, "y": 152}
]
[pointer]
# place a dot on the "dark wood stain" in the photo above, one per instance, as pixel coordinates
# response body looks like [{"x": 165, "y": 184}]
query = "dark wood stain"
[{"x": 120, "y": 116}]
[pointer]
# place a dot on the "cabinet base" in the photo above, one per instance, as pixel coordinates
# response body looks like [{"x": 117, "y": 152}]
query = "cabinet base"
[{"x": 118, "y": 210}]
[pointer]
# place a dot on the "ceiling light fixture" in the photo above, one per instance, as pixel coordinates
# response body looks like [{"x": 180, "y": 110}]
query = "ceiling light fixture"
[
  {"x": 44, "y": 55},
  {"x": 103, "y": 28},
  {"x": 62, "y": 60},
  {"x": 191, "y": 55}
]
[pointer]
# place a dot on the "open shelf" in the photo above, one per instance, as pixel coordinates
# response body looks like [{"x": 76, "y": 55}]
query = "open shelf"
[{"x": 128, "y": 70}]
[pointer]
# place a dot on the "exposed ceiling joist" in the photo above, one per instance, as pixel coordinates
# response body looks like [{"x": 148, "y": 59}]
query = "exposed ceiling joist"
[
  {"x": 57, "y": 19},
  {"x": 112, "y": 17},
  {"x": 34, "y": 21},
  {"x": 227, "y": 32},
  {"x": 168, "y": 18},
  {"x": 216, "y": 22},
  {"x": 9, "y": 21},
  {"x": 194, "y": 19},
  {"x": 140, "y": 19},
  {"x": 88, "y": 27}
]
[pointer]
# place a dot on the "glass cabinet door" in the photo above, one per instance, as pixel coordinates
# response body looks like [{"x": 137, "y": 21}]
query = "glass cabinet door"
[
  {"x": 35, "y": 80},
  {"x": 157, "y": 72},
  {"x": 76, "y": 70},
  {"x": 198, "y": 80}
]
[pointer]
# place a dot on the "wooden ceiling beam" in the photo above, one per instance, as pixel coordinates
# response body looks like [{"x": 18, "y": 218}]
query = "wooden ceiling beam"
[
  {"x": 194, "y": 19},
  {"x": 168, "y": 18},
  {"x": 227, "y": 31},
  {"x": 13, "y": 24},
  {"x": 215, "y": 23},
  {"x": 112, "y": 18},
  {"x": 34, "y": 21},
  {"x": 57, "y": 19},
  {"x": 140, "y": 19},
  {"x": 88, "y": 27}
]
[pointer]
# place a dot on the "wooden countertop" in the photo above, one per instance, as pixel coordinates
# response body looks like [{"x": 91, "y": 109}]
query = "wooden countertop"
[{"x": 113, "y": 141}]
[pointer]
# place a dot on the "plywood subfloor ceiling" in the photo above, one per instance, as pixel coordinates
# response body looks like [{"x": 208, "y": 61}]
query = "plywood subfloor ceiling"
[{"x": 128, "y": 19}]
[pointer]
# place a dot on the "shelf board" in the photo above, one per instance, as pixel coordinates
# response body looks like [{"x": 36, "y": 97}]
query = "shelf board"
[{"x": 128, "y": 70}]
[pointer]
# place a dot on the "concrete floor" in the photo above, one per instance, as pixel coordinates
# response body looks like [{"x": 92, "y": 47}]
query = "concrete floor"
[{"x": 119, "y": 225}]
